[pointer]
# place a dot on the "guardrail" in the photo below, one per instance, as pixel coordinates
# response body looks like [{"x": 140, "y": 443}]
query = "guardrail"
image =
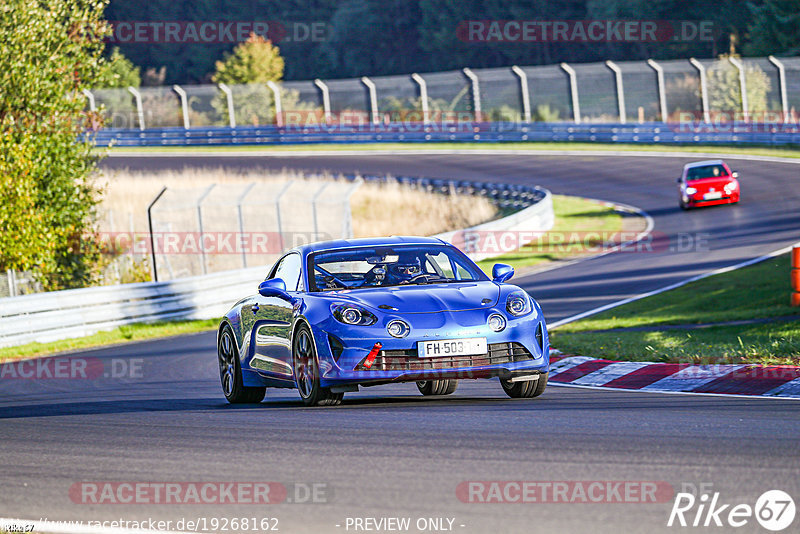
[
  {"x": 71, "y": 313},
  {"x": 646, "y": 133},
  {"x": 56, "y": 315}
]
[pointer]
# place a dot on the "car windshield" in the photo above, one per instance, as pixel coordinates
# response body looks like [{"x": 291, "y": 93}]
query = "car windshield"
[
  {"x": 390, "y": 266},
  {"x": 706, "y": 171}
]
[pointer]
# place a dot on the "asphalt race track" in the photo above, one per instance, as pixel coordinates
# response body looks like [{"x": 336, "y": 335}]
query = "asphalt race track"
[{"x": 389, "y": 452}]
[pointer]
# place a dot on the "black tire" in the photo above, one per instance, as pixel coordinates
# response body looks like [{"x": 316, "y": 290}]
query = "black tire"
[
  {"x": 526, "y": 389},
  {"x": 684, "y": 206},
  {"x": 437, "y": 387},
  {"x": 230, "y": 372},
  {"x": 306, "y": 371}
]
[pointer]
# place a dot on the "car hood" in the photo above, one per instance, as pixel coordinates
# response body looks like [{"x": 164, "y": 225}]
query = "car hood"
[
  {"x": 424, "y": 298},
  {"x": 706, "y": 183}
]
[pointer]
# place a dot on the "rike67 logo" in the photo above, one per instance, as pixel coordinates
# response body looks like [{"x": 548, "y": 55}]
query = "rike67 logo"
[{"x": 774, "y": 510}]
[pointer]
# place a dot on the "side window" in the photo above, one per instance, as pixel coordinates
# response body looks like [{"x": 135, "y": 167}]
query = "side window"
[{"x": 288, "y": 270}]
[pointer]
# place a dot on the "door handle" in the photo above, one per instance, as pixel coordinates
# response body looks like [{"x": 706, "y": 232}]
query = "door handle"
[{"x": 254, "y": 307}]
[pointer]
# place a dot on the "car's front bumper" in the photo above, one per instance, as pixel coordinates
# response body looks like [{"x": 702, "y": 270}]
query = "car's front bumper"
[{"x": 516, "y": 351}]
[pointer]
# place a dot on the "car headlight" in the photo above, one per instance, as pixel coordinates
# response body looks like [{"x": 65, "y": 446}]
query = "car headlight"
[
  {"x": 730, "y": 187},
  {"x": 398, "y": 328},
  {"x": 518, "y": 304},
  {"x": 353, "y": 315},
  {"x": 691, "y": 190},
  {"x": 496, "y": 322}
]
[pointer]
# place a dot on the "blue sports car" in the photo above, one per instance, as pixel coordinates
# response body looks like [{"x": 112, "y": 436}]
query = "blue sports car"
[{"x": 332, "y": 317}]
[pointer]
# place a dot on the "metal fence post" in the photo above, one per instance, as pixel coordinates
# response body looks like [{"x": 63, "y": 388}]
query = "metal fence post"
[
  {"x": 573, "y": 87},
  {"x": 229, "y": 97},
  {"x": 742, "y": 86},
  {"x": 200, "y": 226},
  {"x": 373, "y": 99},
  {"x": 662, "y": 91},
  {"x": 326, "y": 99},
  {"x": 623, "y": 115},
  {"x": 11, "y": 286},
  {"x": 476, "y": 93},
  {"x": 782, "y": 83},
  {"x": 703, "y": 89},
  {"x": 90, "y": 97},
  {"x": 283, "y": 190},
  {"x": 276, "y": 92},
  {"x": 526, "y": 97},
  {"x": 423, "y": 96},
  {"x": 314, "y": 208},
  {"x": 184, "y": 104},
  {"x": 139, "y": 109},
  {"x": 92, "y": 107},
  {"x": 150, "y": 228},
  {"x": 347, "y": 222},
  {"x": 241, "y": 221}
]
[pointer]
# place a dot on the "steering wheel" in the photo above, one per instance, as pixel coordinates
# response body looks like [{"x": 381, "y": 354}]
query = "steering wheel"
[
  {"x": 420, "y": 276},
  {"x": 330, "y": 277}
]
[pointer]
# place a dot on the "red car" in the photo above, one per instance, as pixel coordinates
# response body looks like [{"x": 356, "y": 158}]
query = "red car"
[{"x": 707, "y": 183}]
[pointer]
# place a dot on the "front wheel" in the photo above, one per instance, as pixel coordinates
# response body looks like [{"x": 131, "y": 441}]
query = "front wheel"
[
  {"x": 437, "y": 387},
  {"x": 306, "y": 372},
  {"x": 525, "y": 389},
  {"x": 230, "y": 372}
]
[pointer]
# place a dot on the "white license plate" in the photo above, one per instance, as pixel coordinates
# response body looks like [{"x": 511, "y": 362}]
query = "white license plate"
[
  {"x": 713, "y": 196},
  {"x": 452, "y": 347}
]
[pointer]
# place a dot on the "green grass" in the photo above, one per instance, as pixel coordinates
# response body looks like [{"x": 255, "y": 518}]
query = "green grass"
[
  {"x": 758, "y": 291},
  {"x": 122, "y": 334},
  {"x": 751, "y": 150},
  {"x": 574, "y": 217}
]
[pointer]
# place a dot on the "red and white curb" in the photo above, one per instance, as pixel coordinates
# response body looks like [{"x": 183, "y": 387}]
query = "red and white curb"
[{"x": 777, "y": 381}]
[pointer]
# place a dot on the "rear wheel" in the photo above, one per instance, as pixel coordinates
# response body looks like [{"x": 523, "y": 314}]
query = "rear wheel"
[
  {"x": 525, "y": 389},
  {"x": 437, "y": 387},
  {"x": 230, "y": 372},
  {"x": 306, "y": 371}
]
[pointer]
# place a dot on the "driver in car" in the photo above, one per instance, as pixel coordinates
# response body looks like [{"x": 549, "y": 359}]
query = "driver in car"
[{"x": 404, "y": 270}]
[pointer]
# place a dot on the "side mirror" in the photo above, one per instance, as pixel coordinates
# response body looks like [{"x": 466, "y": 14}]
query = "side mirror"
[
  {"x": 274, "y": 288},
  {"x": 680, "y": 179},
  {"x": 502, "y": 272},
  {"x": 735, "y": 174}
]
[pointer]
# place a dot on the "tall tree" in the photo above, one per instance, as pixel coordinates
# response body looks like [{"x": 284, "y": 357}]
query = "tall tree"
[
  {"x": 775, "y": 28},
  {"x": 51, "y": 50}
]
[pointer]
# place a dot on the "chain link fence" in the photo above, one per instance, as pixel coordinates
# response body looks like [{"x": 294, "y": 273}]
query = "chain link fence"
[
  {"x": 606, "y": 92},
  {"x": 216, "y": 228}
]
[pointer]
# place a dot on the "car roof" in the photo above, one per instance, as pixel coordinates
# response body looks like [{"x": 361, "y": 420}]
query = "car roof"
[
  {"x": 368, "y": 242},
  {"x": 703, "y": 163}
]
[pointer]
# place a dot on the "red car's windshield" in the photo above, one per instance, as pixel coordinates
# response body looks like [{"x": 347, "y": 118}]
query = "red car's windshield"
[{"x": 707, "y": 171}]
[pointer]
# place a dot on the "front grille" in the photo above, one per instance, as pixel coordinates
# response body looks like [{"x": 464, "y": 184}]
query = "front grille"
[{"x": 408, "y": 360}]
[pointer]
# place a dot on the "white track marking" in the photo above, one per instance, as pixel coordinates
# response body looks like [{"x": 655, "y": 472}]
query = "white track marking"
[
  {"x": 789, "y": 388},
  {"x": 609, "y": 373},
  {"x": 664, "y": 392},
  {"x": 566, "y": 364},
  {"x": 692, "y": 377}
]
